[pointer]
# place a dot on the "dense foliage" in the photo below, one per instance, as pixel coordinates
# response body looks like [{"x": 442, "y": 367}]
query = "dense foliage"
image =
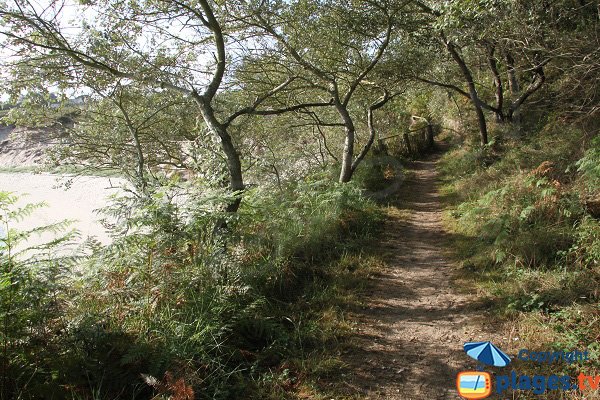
[
  {"x": 177, "y": 307},
  {"x": 250, "y": 134}
]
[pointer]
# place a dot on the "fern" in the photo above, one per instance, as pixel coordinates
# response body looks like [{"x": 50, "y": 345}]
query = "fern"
[
  {"x": 32, "y": 282},
  {"x": 589, "y": 165}
]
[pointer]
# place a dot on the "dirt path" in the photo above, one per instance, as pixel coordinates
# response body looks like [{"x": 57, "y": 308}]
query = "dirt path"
[{"x": 411, "y": 333}]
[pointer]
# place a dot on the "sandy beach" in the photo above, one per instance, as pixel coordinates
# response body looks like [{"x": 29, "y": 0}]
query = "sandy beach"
[{"x": 79, "y": 202}]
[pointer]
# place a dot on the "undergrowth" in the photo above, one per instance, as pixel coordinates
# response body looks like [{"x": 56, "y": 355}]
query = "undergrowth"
[
  {"x": 525, "y": 222},
  {"x": 191, "y": 303}
]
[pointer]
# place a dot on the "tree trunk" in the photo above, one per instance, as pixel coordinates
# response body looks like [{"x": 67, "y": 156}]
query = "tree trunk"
[
  {"x": 406, "y": 138},
  {"x": 346, "y": 171},
  {"x": 513, "y": 82},
  {"x": 234, "y": 165},
  {"x": 378, "y": 104},
  {"x": 369, "y": 143},
  {"x": 536, "y": 84},
  {"x": 348, "y": 154},
  {"x": 135, "y": 137},
  {"x": 499, "y": 94},
  {"x": 483, "y": 134},
  {"x": 140, "y": 159},
  {"x": 430, "y": 142},
  {"x": 513, "y": 87}
]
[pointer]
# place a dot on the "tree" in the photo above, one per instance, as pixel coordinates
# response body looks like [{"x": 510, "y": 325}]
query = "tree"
[
  {"x": 136, "y": 131},
  {"x": 334, "y": 46},
  {"x": 170, "y": 45},
  {"x": 495, "y": 31}
]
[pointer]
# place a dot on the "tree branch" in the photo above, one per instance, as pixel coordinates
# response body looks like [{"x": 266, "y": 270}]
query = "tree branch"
[
  {"x": 259, "y": 100},
  {"x": 371, "y": 65},
  {"x": 444, "y": 85},
  {"x": 275, "y": 111},
  {"x": 293, "y": 52},
  {"x": 59, "y": 44},
  {"x": 375, "y": 106},
  {"x": 215, "y": 27},
  {"x": 537, "y": 83}
]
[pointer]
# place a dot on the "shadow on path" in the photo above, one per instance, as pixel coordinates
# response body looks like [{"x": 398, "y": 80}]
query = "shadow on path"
[{"x": 410, "y": 335}]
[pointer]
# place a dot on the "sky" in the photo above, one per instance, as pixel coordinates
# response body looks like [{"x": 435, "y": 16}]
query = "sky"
[{"x": 71, "y": 17}]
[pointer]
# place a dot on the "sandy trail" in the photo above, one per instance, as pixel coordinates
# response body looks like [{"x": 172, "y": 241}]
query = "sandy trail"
[{"x": 411, "y": 333}]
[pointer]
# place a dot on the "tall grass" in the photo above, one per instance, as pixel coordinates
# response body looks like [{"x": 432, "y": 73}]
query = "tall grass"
[
  {"x": 33, "y": 298},
  {"x": 179, "y": 307}
]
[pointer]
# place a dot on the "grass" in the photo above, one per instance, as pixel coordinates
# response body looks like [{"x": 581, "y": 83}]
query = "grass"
[
  {"x": 18, "y": 170},
  {"x": 525, "y": 241},
  {"x": 172, "y": 307},
  {"x": 321, "y": 373},
  {"x": 322, "y": 320}
]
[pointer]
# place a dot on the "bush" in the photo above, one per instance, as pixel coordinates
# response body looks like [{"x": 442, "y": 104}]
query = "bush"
[
  {"x": 33, "y": 296},
  {"x": 526, "y": 228},
  {"x": 527, "y": 219},
  {"x": 179, "y": 303},
  {"x": 589, "y": 166}
]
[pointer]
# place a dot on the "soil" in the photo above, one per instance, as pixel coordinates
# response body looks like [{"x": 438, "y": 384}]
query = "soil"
[{"x": 417, "y": 318}]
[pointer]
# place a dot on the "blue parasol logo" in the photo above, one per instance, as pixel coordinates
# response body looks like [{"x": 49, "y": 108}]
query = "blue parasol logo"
[{"x": 486, "y": 353}]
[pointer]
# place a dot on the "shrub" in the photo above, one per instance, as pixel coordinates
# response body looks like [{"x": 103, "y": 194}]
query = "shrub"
[
  {"x": 33, "y": 295},
  {"x": 522, "y": 221},
  {"x": 183, "y": 301},
  {"x": 526, "y": 219}
]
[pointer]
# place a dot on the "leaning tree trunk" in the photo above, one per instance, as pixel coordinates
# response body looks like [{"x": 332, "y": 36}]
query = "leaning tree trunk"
[
  {"x": 371, "y": 125},
  {"x": 346, "y": 170},
  {"x": 483, "y": 134},
  {"x": 534, "y": 86},
  {"x": 348, "y": 154},
  {"x": 234, "y": 165}
]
